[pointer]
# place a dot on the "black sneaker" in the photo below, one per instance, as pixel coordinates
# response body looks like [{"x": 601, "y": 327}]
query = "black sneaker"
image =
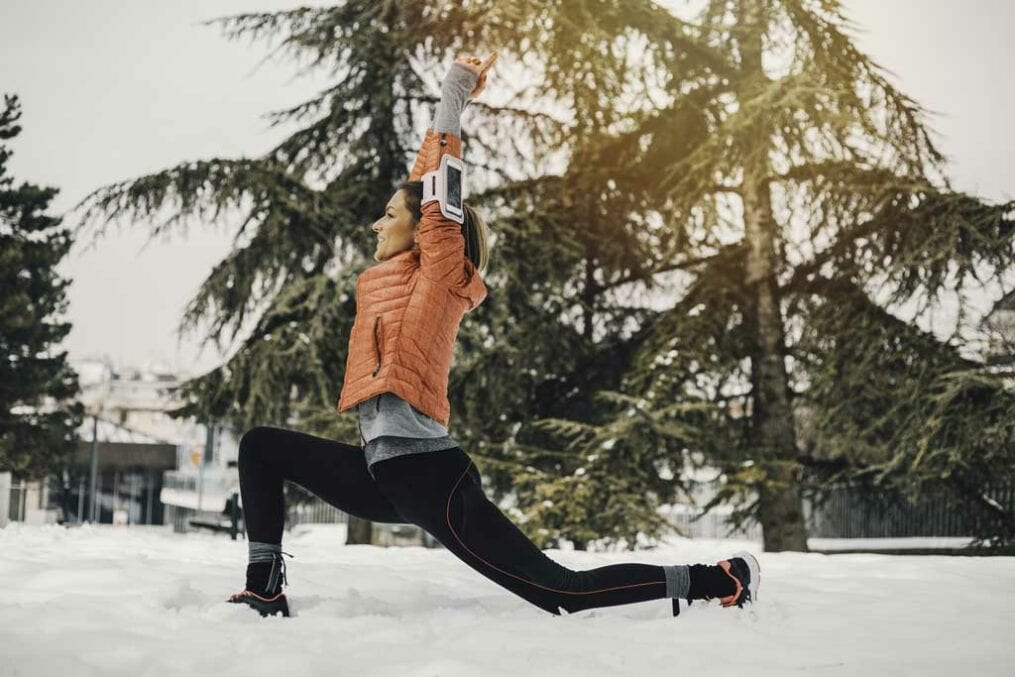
[
  {"x": 266, "y": 606},
  {"x": 744, "y": 569}
]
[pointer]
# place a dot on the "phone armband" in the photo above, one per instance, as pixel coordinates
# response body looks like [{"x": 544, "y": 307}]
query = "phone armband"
[{"x": 445, "y": 184}]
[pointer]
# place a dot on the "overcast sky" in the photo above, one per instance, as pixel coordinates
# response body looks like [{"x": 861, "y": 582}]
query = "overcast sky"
[{"x": 115, "y": 89}]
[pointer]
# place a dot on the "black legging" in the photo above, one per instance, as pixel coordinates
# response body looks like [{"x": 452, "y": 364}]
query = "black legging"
[{"x": 439, "y": 491}]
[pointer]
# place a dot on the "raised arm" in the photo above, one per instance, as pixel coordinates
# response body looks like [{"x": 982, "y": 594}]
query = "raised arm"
[{"x": 441, "y": 245}]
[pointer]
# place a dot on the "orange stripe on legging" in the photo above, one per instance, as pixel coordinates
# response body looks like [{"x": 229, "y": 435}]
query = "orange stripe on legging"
[{"x": 508, "y": 573}]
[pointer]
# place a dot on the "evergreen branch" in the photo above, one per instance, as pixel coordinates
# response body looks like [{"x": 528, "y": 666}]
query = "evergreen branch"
[
  {"x": 662, "y": 27},
  {"x": 290, "y": 357},
  {"x": 686, "y": 264},
  {"x": 293, "y": 227},
  {"x": 922, "y": 246},
  {"x": 323, "y": 32},
  {"x": 318, "y": 144},
  {"x": 828, "y": 50}
]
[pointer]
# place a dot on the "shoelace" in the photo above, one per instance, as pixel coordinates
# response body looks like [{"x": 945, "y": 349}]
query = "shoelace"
[{"x": 278, "y": 569}]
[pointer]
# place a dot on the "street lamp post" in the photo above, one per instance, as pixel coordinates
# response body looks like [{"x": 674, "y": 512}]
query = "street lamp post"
[
  {"x": 207, "y": 454},
  {"x": 94, "y": 470}
]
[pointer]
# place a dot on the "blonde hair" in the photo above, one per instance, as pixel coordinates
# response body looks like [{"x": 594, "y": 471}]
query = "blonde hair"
[{"x": 477, "y": 247}]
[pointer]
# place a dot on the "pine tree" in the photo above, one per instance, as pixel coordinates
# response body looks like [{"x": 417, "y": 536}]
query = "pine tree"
[
  {"x": 800, "y": 186},
  {"x": 38, "y": 417}
]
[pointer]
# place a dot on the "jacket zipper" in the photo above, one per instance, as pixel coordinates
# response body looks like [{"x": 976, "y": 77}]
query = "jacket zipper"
[{"x": 377, "y": 344}]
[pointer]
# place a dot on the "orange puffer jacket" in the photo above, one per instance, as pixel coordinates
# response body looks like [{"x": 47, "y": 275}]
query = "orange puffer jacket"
[{"x": 409, "y": 307}]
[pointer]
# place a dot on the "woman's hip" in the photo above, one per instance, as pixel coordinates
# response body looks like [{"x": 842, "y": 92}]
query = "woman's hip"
[{"x": 420, "y": 485}]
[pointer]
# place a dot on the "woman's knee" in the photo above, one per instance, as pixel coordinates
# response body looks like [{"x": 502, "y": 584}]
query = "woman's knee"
[{"x": 253, "y": 443}]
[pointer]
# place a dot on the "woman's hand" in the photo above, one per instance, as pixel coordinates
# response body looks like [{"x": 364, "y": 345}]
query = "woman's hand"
[{"x": 479, "y": 66}]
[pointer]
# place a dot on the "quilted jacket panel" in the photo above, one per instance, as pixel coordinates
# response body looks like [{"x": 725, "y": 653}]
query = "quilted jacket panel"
[{"x": 409, "y": 308}]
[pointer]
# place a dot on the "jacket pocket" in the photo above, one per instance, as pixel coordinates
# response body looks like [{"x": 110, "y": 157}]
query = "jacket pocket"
[{"x": 378, "y": 343}]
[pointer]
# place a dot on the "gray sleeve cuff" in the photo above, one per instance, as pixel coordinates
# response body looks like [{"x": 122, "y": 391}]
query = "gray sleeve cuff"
[{"x": 454, "y": 92}]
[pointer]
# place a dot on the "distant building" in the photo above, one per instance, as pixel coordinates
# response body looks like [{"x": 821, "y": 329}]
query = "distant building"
[
  {"x": 999, "y": 325},
  {"x": 139, "y": 450},
  {"x": 137, "y": 399},
  {"x": 128, "y": 478}
]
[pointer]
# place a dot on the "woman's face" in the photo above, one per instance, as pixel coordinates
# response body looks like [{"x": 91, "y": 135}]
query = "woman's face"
[{"x": 395, "y": 231}]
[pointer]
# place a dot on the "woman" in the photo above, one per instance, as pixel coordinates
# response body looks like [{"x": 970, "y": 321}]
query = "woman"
[{"x": 408, "y": 469}]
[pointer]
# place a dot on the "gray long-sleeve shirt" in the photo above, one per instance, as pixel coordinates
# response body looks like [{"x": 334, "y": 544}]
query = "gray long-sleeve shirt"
[{"x": 390, "y": 426}]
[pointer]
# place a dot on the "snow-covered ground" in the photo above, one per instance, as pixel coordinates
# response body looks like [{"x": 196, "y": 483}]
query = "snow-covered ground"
[{"x": 140, "y": 601}]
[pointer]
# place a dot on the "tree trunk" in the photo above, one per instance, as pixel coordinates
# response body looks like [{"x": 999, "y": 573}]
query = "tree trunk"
[
  {"x": 359, "y": 531},
  {"x": 773, "y": 431}
]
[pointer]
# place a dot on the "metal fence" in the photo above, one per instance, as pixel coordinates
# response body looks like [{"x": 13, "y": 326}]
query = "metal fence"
[
  {"x": 315, "y": 511},
  {"x": 848, "y": 514},
  {"x": 690, "y": 522}
]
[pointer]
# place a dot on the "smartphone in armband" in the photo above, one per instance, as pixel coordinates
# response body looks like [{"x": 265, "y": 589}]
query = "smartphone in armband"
[{"x": 445, "y": 185}]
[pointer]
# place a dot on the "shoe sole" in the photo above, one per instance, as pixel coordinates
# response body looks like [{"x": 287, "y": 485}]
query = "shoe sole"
[
  {"x": 266, "y": 607},
  {"x": 754, "y": 568}
]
